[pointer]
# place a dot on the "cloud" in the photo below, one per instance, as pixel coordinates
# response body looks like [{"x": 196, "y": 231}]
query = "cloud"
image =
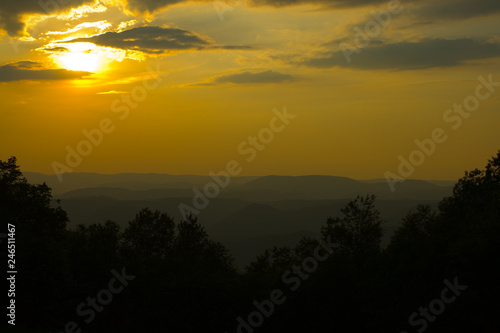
[
  {"x": 26, "y": 64},
  {"x": 56, "y": 49},
  {"x": 30, "y": 70},
  {"x": 430, "y": 10},
  {"x": 457, "y": 9},
  {"x": 426, "y": 53},
  {"x": 442, "y": 9},
  {"x": 269, "y": 76},
  {"x": 150, "y": 6},
  {"x": 332, "y": 3},
  {"x": 154, "y": 40},
  {"x": 84, "y": 28},
  {"x": 11, "y": 12}
]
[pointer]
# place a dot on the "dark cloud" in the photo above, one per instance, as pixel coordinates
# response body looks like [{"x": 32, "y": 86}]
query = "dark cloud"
[
  {"x": 329, "y": 3},
  {"x": 26, "y": 64},
  {"x": 456, "y": 9},
  {"x": 150, "y": 6},
  {"x": 11, "y": 11},
  {"x": 423, "y": 9},
  {"x": 56, "y": 49},
  {"x": 269, "y": 76},
  {"x": 437, "y": 10},
  {"x": 154, "y": 40},
  {"x": 29, "y": 70},
  {"x": 427, "y": 53},
  {"x": 349, "y": 39},
  {"x": 235, "y": 47}
]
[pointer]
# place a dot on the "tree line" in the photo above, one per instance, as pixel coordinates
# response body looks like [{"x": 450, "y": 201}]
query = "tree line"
[{"x": 438, "y": 274}]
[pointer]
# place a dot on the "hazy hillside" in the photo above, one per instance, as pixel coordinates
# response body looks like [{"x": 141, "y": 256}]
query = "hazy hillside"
[
  {"x": 249, "y": 214},
  {"x": 329, "y": 187},
  {"x": 131, "y": 181}
]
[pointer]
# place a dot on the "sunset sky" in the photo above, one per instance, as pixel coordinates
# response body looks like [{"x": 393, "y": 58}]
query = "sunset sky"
[{"x": 178, "y": 86}]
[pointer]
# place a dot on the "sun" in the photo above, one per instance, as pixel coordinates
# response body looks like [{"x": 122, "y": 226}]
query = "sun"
[
  {"x": 80, "y": 61},
  {"x": 79, "y": 57}
]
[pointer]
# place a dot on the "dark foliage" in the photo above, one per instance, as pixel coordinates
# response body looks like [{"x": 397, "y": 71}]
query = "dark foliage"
[{"x": 182, "y": 281}]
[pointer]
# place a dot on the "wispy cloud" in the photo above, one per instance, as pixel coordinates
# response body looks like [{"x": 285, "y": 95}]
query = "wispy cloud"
[
  {"x": 426, "y": 53},
  {"x": 99, "y": 27},
  {"x": 247, "y": 77}
]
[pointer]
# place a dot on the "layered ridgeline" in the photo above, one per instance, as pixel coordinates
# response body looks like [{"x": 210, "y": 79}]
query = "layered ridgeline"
[{"x": 248, "y": 215}]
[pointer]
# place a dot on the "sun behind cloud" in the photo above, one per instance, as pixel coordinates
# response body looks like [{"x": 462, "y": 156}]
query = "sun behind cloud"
[
  {"x": 80, "y": 57},
  {"x": 80, "y": 61}
]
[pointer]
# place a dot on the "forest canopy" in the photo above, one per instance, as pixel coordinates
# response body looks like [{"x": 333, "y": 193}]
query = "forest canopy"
[{"x": 439, "y": 272}]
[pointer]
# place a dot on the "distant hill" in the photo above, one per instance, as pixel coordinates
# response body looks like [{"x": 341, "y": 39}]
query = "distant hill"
[
  {"x": 330, "y": 187},
  {"x": 131, "y": 181},
  {"x": 248, "y": 215}
]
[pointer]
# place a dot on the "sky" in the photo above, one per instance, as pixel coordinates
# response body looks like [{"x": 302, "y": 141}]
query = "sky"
[{"x": 362, "y": 88}]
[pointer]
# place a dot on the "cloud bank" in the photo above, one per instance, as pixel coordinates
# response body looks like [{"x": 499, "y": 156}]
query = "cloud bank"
[
  {"x": 154, "y": 40},
  {"x": 269, "y": 76},
  {"x": 30, "y": 70},
  {"x": 11, "y": 12},
  {"x": 426, "y": 53}
]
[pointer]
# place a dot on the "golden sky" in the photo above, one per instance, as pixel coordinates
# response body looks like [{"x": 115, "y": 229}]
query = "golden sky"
[{"x": 173, "y": 86}]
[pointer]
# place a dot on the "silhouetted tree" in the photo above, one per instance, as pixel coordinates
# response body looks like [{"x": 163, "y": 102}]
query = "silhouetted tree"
[
  {"x": 93, "y": 250},
  {"x": 415, "y": 228},
  {"x": 358, "y": 232},
  {"x": 41, "y": 258},
  {"x": 149, "y": 235},
  {"x": 26, "y": 205}
]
